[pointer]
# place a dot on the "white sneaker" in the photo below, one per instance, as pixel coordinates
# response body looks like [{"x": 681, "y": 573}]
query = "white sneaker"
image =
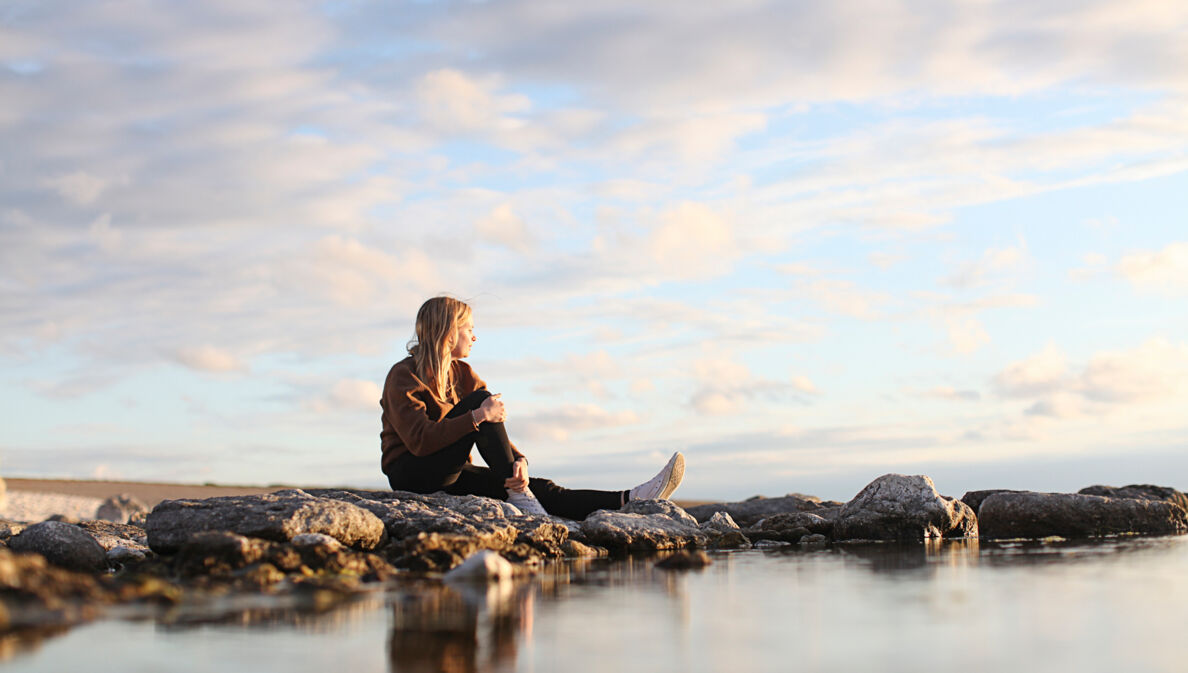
[
  {"x": 663, "y": 484},
  {"x": 526, "y": 502}
]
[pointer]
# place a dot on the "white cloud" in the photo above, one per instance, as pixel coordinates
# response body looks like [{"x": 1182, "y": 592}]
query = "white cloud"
[
  {"x": 966, "y": 335},
  {"x": 691, "y": 239},
  {"x": 503, "y": 227},
  {"x": 456, "y": 102},
  {"x": 355, "y": 394},
  {"x": 994, "y": 262},
  {"x": 79, "y": 188},
  {"x": 1164, "y": 271},
  {"x": 207, "y": 358},
  {"x": 952, "y": 394},
  {"x": 1041, "y": 373},
  {"x": 805, "y": 385},
  {"x": 561, "y": 423},
  {"x": 1157, "y": 369}
]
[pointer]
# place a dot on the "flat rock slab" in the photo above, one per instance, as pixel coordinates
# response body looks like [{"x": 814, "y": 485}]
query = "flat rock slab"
[
  {"x": 1073, "y": 515},
  {"x": 1139, "y": 492},
  {"x": 905, "y": 508},
  {"x": 749, "y": 512},
  {"x": 278, "y": 516},
  {"x": 624, "y": 530}
]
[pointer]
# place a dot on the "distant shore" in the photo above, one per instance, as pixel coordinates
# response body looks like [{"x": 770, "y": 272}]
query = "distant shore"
[{"x": 151, "y": 493}]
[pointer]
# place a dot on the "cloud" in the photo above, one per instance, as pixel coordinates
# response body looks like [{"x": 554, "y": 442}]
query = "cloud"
[
  {"x": 966, "y": 335},
  {"x": 503, "y": 227},
  {"x": 355, "y": 394},
  {"x": 952, "y": 394},
  {"x": 994, "y": 262},
  {"x": 691, "y": 239},
  {"x": 79, "y": 188},
  {"x": 561, "y": 423},
  {"x": 1041, "y": 373},
  {"x": 207, "y": 358},
  {"x": 1111, "y": 382},
  {"x": 729, "y": 387},
  {"x": 455, "y": 102},
  {"x": 1157, "y": 369},
  {"x": 1164, "y": 271}
]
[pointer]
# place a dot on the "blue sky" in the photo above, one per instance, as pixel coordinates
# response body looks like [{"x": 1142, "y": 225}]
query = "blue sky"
[{"x": 805, "y": 243}]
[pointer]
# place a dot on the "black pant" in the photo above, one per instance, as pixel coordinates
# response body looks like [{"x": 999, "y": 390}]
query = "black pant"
[{"x": 449, "y": 470}]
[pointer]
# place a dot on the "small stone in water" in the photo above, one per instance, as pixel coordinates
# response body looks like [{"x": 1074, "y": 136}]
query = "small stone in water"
[{"x": 685, "y": 560}]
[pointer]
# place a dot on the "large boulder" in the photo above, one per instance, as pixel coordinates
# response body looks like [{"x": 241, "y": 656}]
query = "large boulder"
[
  {"x": 275, "y": 516},
  {"x": 749, "y": 512},
  {"x": 1037, "y": 515},
  {"x": 906, "y": 508},
  {"x": 62, "y": 544}
]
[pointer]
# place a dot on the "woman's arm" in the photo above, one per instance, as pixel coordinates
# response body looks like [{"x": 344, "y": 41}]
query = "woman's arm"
[{"x": 410, "y": 417}]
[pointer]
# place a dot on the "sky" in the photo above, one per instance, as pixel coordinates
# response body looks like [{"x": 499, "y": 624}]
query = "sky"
[{"x": 805, "y": 243}]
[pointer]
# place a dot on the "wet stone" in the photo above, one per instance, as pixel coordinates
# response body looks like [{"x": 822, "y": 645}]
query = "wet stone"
[{"x": 62, "y": 544}]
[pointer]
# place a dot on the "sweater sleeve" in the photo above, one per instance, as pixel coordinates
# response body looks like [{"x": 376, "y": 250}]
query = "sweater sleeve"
[{"x": 420, "y": 434}]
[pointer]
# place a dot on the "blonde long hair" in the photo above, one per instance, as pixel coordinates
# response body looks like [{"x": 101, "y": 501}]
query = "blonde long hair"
[{"x": 437, "y": 329}]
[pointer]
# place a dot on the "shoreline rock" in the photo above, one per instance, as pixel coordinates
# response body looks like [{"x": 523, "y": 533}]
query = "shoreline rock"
[{"x": 338, "y": 540}]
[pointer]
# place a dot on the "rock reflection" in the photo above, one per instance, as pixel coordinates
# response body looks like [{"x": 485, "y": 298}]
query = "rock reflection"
[
  {"x": 460, "y": 627},
  {"x": 923, "y": 559}
]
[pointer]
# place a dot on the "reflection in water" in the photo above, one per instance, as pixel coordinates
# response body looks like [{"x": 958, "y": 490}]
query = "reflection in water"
[
  {"x": 1049, "y": 606},
  {"x": 460, "y": 627}
]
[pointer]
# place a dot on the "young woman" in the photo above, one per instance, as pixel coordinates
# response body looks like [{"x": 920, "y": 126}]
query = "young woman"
[{"x": 436, "y": 409}]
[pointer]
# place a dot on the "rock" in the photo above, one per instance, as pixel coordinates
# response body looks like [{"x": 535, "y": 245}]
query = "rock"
[
  {"x": 62, "y": 544},
  {"x": 316, "y": 540},
  {"x": 573, "y": 549},
  {"x": 1072, "y": 515},
  {"x": 1140, "y": 492},
  {"x": 792, "y": 526},
  {"x": 906, "y": 508},
  {"x": 111, "y": 535},
  {"x": 36, "y": 594},
  {"x": 9, "y": 528},
  {"x": 771, "y": 544},
  {"x": 685, "y": 560},
  {"x": 120, "y": 508},
  {"x": 3, "y": 495},
  {"x": 275, "y": 516},
  {"x": 723, "y": 533},
  {"x": 813, "y": 540},
  {"x": 483, "y": 566},
  {"x": 625, "y": 530},
  {"x": 118, "y": 556},
  {"x": 748, "y": 512},
  {"x": 663, "y": 507},
  {"x": 974, "y": 498},
  {"x": 406, "y": 515}
]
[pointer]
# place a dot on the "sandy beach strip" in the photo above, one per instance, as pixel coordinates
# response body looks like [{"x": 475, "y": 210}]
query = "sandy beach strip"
[{"x": 31, "y": 500}]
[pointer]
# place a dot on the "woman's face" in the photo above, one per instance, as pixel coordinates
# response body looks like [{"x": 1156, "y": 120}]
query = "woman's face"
[{"x": 463, "y": 338}]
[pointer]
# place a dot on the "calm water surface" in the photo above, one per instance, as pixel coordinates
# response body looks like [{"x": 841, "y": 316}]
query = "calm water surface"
[{"x": 1114, "y": 605}]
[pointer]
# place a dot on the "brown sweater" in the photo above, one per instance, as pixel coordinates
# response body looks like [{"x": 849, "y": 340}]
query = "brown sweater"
[{"x": 414, "y": 418}]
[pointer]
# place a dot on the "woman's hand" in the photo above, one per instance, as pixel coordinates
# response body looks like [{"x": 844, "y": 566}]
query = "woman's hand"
[
  {"x": 492, "y": 410},
  {"x": 519, "y": 479}
]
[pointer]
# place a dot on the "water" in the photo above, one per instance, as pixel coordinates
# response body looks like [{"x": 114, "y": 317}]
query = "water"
[{"x": 1112, "y": 605}]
